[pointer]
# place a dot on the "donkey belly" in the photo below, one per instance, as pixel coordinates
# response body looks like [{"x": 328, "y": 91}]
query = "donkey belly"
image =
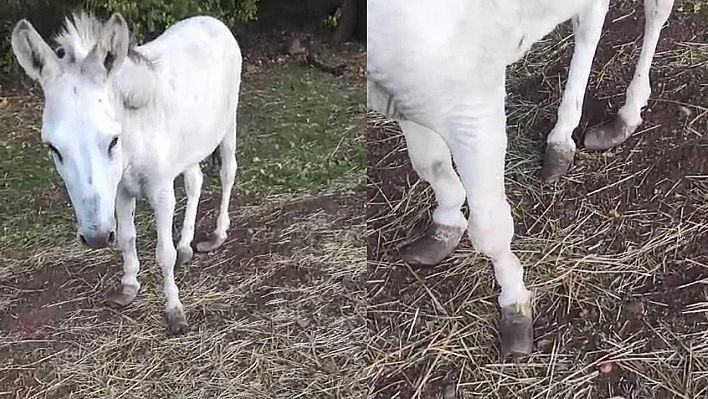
[{"x": 437, "y": 59}]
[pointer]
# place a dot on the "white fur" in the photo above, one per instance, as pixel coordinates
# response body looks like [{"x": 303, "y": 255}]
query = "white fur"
[
  {"x": 171, "y": 103},
  {"x": 439, "y": 69}
]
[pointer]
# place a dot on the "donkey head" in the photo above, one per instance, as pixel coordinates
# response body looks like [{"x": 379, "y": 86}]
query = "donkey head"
[{"x": 79, "y": 122}]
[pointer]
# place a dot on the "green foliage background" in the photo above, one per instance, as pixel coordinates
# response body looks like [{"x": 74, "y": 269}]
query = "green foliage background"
[{"x": 146, "y": 17}]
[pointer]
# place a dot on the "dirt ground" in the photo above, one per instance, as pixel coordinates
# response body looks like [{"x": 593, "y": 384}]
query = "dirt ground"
[
  {"x": 615, "y": 252},
  {"x": 278, "y": 312}
]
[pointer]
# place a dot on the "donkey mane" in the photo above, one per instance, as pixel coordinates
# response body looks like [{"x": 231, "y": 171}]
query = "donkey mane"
[{"x": 81, "y": 33}]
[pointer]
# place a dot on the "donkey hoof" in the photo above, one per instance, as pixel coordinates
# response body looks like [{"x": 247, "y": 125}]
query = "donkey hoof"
[
  {"x": 556, "y": 163},
  {"x": 123, "y": 296},
  {"x": 437, "y": 243},
  {"x": 176, "y": 321},
  {"x": 184, "y": 255},
  {"x": 516, "y": 330},
  {"x": 608, "y": 135},
  {"x": 210, "y": 243}
]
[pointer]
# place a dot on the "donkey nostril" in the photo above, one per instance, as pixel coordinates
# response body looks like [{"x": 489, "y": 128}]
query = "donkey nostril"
[
  {"x": 83, "y": 239},
  {"x": 111, "y": 237}
]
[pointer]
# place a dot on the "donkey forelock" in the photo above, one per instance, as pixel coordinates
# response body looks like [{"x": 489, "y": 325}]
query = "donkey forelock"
[{"x": 81, "y": 33}]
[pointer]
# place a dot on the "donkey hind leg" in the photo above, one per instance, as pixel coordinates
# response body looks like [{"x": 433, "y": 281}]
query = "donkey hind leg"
[
  {"x": 129, "y": 285},
  {"x": 629, "y": 116},
  {"x": 227, "y": 174},
  {"x": 193, "y": 180},
  {"x": 560, "y": 147},
  {"x": 430, "y": 157},
  {"x": 480, "y": 164}
]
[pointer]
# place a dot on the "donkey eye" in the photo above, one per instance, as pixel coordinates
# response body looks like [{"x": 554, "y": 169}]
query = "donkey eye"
[
  {"x": 60, "y": 52},
  {"x": 55, "y": 152},
  {"x": 113, "y": 144}
]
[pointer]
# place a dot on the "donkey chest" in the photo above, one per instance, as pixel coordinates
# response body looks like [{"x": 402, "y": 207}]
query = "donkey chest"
[{"x": 135, "y": 182}]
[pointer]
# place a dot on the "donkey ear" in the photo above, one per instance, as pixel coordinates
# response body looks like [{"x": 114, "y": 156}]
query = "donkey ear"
[
  {"x": 113, "y": 44},
  {"x": 33, "y": 53}
]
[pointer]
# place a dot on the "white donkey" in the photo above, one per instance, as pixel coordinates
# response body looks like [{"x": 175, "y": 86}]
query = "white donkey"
[
  {"x": 438, "y": 67},
  {"x": 124, "y": 122}
]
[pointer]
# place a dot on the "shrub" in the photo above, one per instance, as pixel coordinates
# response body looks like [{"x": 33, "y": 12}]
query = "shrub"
[
  {"x": 146, "y": 18},
  {"x": 150, "y": 17}
]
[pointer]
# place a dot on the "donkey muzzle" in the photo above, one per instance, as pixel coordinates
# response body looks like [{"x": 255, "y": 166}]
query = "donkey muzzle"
[{"x": 98, "y": 240}]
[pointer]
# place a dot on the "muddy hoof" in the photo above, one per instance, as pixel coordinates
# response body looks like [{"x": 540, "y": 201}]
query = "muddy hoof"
[
  {"x": 609, "y": 135},
  {"x": 437, "y": 243},
  {"x": 123, "y": 296},
  {"x": 184, "y": 255},
  {"x": 210, "y": 243},
  {"x": 556, "y": 162},
  {"x": 516, "y": 330},
  {"x": 176, "y": 321}
]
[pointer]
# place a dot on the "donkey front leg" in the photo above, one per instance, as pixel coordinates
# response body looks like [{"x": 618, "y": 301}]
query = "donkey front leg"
[
  {"x": 629, "y": 116},
  {"x": 560, "y": 147},
  {"x": 478, "y": 145},
  {"x": 162, "y": 200},
  {"x": 129, "y": 286},
  {"x": 430, "y": 157}
]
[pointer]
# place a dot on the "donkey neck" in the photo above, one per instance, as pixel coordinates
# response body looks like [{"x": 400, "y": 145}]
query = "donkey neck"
[
  {"x": 135, "y": 101},
  {"x": 133, "y": 87}
]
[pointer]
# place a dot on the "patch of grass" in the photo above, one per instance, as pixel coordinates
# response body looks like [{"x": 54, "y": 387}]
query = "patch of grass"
[
  {"x": 35, "y": 215},
  {"x": 300, "y": 132}
]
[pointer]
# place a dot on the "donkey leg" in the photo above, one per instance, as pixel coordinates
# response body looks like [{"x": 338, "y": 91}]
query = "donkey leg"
[
  {"x": 162, "y": 200},
  {"x": 129, "y": 286},
  {"x": 478, "y": 146},
  {"x": 227, "y": 153},
  {"x": 193, "y": 180},
  {"x": 629, "y": 116},
  {"x": 430, "y": 157},
  {"x": 560, "y": 147}
]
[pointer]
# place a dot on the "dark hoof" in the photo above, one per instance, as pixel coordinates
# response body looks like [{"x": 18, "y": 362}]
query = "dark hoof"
[
  {"x": 210, "y": 243},
  {"x": 437, "y": 243},
  {"x": 184, "y": 255},
  {"x": 176, "y": 321},
  {"x": 123, "y": 296},
  {"x": 609, "y": 135},
  {"x": 556, "y": 162},
  {"x": 516, "y": 330}
]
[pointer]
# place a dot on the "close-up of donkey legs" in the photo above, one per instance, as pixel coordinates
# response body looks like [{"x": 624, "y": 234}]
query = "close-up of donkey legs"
[
  {"x": 595, "y": 285},
  {"x": 587, "y": 27},
  {"x": 629, "y": 117}
]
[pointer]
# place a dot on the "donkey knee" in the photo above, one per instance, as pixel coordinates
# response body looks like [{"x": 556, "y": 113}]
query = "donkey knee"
[
  {"x": 658, "y": 10},
  {"x": 228, "y": 169},
  {"x": 491, "y": 227},
  {"x": 429, "y": 169},
  {"x": 125, "y": 239}
]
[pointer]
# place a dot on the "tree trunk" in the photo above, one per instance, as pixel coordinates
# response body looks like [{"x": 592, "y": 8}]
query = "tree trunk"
[
  {"x": 348, "y": 21},
  {"x": 361, "y": 22}
]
